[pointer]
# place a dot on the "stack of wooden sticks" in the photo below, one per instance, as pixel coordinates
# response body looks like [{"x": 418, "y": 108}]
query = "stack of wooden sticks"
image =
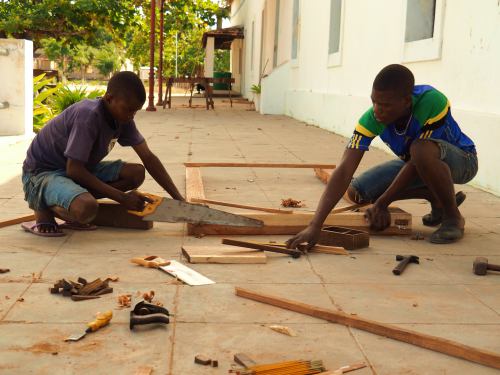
[{"x": 286, "y": 368}]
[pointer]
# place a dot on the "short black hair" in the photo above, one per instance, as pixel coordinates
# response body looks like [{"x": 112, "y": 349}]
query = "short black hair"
[
  {"x": 126, "y": 84},
  {"x": 395, "y": 77}
]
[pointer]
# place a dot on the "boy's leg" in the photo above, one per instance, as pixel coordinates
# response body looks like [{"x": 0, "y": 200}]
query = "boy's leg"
[{"x": 120, "y": 175}]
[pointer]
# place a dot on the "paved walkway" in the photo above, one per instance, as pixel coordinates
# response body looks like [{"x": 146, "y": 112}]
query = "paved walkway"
[{"x": 440, "y": 296}]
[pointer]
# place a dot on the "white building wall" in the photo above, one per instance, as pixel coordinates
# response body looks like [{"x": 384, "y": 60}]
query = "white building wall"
[
  {"x": 334, "y": 96},
  {"x": 16, "y": 89}
]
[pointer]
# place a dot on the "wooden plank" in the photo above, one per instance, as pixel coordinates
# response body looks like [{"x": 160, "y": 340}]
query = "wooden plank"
[
  {"x": 223, "y": 255},
  {"x": 194, "y": 184},
  {"x": 17, "y": 220},
  {"x": 438, "y": 344},
  {"x": 259, "y": 165},
  {"x": 351, "y": 207},
  {"x": 323, "y": 174},
  {"x": 263, "y": 247},
  {"x": 292, "y": 224},
  {"x": 244, "y": 206},
  {"x": 112, "y": 214}
]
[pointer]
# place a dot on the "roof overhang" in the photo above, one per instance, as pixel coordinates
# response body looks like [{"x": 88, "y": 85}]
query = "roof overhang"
[{"x": 223, "y": 37}]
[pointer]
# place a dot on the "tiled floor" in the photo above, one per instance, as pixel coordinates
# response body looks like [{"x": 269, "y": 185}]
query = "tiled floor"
[{"x": 440, "y": 296}]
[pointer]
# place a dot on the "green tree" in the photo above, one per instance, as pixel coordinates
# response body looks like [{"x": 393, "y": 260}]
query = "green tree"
[
  {"x": 57, "y": 50},
  {"x": 76, "y": 21},
  {"x": 82, "y": 57},
  {"x": 221, "y": 60},
  {"x": 108, "y": 59}
]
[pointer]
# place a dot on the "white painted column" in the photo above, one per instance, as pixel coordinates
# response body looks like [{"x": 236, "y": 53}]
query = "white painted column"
[
  {"x": 16, "y": 89},
  {"x": 209, "y": 57}
]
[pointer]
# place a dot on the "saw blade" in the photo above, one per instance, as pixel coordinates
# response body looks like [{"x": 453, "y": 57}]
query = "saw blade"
[{"x": 175, "y": 211}]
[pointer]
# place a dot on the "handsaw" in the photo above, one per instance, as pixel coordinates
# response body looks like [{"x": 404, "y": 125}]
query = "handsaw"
[{"x": 175, "y": 211}]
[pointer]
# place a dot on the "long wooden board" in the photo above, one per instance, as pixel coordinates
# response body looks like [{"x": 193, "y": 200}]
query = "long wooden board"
[
  {"x": 223, "y": 255},
  {"x": 112, "y": 214},
  {"x": 18, "y": 220},
  {"x": 260, "y": 165},
  {"x": 292, "y": 224},
  {"x": 194, "y": 184},
  {"x": 244, "y": 206},
  {"x": 423, "y": 340}
]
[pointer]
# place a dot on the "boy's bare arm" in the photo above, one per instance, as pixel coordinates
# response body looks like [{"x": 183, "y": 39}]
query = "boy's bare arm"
[
  {"x": 336, "y": 187},
  {"x": 156, "y": 169},
  {"x": 77, "y": 171}
]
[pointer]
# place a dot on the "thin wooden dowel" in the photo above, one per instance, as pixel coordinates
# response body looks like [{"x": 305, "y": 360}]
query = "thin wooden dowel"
[
  {"x": 15, "y": 221},
  {"x": 259, "y": 165},
  {"x": 237, "y": 205}
]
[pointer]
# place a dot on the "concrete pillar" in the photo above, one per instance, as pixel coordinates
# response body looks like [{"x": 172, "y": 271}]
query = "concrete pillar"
[
  {"x": 16, "y": 90},
  {"x": 209, "y": 57}
]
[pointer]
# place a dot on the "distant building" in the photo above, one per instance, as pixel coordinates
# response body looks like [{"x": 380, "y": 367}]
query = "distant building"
[{"x": 319, "y": 57}]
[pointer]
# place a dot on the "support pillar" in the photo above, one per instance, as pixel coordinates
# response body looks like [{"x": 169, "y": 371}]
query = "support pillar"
[
  {"x": 209, "y": 57},
  {"x": 160, "y": 64},
  {"x": 151, "y": 104}
]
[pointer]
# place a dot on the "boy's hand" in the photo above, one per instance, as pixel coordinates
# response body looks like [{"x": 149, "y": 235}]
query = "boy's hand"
[
  {"x": 134, "y": 201},
  {"x": 310, "y": 235},
  {"x": 378, "y": 217}
]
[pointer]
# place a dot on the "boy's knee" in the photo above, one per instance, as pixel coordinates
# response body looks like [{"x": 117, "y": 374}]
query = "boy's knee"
[
  {"x": 135, "y": 174},
  {"x": 423, "y": 149},
  {"x": 354, "y": 195},
  {"x": 84, "y": 208}
]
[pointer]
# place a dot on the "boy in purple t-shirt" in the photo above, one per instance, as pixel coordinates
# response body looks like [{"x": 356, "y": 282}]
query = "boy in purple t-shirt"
[{"x": 63, "y": 173}]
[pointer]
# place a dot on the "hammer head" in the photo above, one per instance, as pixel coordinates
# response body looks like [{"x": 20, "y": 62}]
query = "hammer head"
[
  {"x": 413, "y": 258},
  {"x": 480, "y": 266}
]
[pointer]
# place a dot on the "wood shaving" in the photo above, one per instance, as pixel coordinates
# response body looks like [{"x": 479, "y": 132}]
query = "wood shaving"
[
  {"x": 284, "y": 330},
  {"x": 125, "y": 300},
  {"x": 4, "y": 270},
  {"x": 20, "y": 299},
  {"x": 113, "y": 278},
  {"x": 289, "y": 202},
  {"x": 149, "y": 296}
]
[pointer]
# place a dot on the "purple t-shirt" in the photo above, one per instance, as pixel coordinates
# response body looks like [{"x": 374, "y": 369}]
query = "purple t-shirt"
[{"x": 85, "y": 132}]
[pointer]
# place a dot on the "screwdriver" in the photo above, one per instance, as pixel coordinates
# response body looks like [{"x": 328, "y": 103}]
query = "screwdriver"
[{"x": 102, "y": 319}]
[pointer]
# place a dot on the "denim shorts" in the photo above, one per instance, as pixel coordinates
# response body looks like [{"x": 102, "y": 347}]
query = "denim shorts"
[
  {"x": 374, "y": 182},
  {"x": 53, "y": 188}
]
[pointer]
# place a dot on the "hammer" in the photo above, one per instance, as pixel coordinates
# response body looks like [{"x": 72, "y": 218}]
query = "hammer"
[
  {"x": 403, "y": 262},
  {"x": 481, "y": 266}
]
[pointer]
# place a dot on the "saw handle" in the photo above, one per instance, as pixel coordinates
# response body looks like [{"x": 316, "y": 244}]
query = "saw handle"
[
  {"x": 149, "y": 208},
  {"x": 151, "y": 261}
]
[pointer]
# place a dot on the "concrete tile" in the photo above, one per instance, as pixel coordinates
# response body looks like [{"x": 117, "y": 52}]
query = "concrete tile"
[
  {"x": 459, "y": 270},
  {"x": 9, "y": 293},
  {"x": 218, "y": 304},
  {"x": 40, "y": 349},
  {"x": 487, "y": 294},
  {"x": 367, "y": 268},
  {"x": 22, "y": 265},
  {"x": 39, "y": 306},
  {"x": 438, "y": 304},
  {"x": 73, "y": 265},
  {"x": 328, "y": 342},
  {"x": 409, "y": 359}
]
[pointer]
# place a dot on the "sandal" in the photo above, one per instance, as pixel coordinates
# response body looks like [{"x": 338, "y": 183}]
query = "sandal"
[
  {"x": 34, "y": 228},
  {"x": 73, "y": 225},
  {"x": 448, "y": 232},
  {"x": 435, "y": 217}
]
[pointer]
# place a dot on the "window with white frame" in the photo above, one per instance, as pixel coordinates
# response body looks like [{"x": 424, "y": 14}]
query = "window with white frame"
[
  {"x": 295, "y": 29},
  {"x": 423, "y": 29},
  {"x": 335, "y": 34},
  {"x": 420, "y": 16}
]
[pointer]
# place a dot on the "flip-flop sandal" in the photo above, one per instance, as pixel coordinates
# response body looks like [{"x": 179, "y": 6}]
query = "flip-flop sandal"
[
  {"x": 447, "y": 233},
  {"x": 77, "y": 226},
  {"x": 34, "y": 227},
  {"x": 436, "y": 216}
]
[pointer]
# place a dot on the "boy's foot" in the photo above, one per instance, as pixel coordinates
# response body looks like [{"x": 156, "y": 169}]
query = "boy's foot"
[
  {"x": 43, "y": 229},
  {"x": 436, "y": 216},
  {"x": 450, "y": 231},
  {"x": 73, "y": 225}
]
